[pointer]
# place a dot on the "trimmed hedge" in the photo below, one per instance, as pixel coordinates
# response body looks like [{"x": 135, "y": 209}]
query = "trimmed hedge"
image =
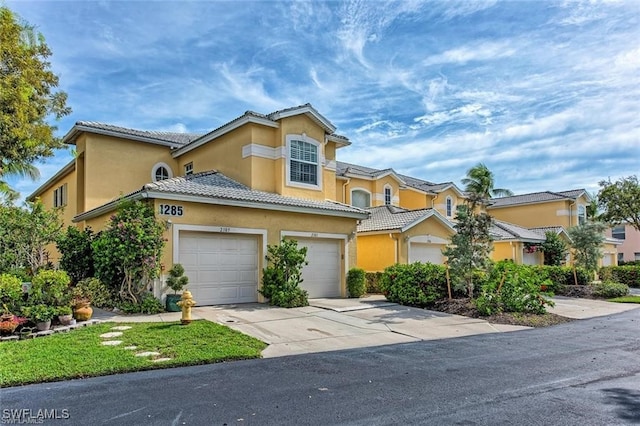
[
  {"x": 356, "y": 282},
  {"x": 627, "y": 274},
  {"x": 561, "y": 276},
  {"x": 610, "y": 289},
  {"x": 373, "y": 282},
  {"x": 415, "y": 284}
]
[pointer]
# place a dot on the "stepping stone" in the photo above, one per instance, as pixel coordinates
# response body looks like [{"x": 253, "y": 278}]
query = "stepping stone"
[
  {"x": 148, "y": 354},
  {"x": 121, "y": 327},
  {"x": 112, "y": 342},
  {"x": 131, "y": 348},
  {"x": 161, "y": 359},
  {"x": 111, "y": 334}
]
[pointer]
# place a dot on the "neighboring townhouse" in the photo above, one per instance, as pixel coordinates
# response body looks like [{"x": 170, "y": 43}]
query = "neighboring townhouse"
[
  {"x": 629, "y": 237},
  {"x": 540, "y": 210},
  {"x": 224, "y": 196}
]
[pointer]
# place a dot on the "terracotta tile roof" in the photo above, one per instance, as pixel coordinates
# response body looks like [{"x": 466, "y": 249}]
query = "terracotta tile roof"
[
  {"x": 385, "y": 218},
  {"x": 216, "y": 185}
]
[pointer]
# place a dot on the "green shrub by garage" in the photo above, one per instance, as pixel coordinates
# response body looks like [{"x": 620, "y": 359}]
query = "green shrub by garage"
[
  {"x": 356, "y": 282},
  {"x": 415, "y": 284},
  {"x": 627, "y": 274}
]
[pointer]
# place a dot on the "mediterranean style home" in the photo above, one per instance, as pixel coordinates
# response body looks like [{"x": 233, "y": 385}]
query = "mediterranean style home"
[
  {"x": 227, "y": 194},
  {"x": 629, "y": 249}
]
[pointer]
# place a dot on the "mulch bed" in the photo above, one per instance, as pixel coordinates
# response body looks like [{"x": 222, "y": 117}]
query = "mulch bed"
[{"x": 464, "y": 307}]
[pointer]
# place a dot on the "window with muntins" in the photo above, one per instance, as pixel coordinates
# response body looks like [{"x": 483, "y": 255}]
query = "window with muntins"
[
  {"x": 618, "y": 232},
  {"x": 60, "y": 196},
  {"x": 582, "y": 215},
  {"x": 303, "y": 166},
  {"x": 387, "y": 196},
  {"x": 360, "y": 199},
  {"x": 161, "y": 173},
  {"x": 449, "y": 207},
  {"x": 188, "y": 169}
]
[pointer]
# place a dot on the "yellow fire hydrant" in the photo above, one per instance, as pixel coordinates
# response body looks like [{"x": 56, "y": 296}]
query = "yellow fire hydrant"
[{"x": 186, "y": 302}]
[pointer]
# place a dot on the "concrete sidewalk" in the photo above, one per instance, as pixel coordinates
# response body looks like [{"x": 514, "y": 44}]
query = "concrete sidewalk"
[{"x": 335, "y": 324}]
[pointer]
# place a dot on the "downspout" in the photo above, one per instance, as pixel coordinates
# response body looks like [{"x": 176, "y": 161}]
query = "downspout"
[
  {"x": 513, "y": 251},
  {"x": 397, "y": 248},
  {"x": 344, "y": 191},
  {"x": 571, "y": 213}
]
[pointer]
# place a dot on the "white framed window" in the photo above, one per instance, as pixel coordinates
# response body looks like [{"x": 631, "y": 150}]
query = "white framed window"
[
  {"x": 387, "y": 195},
  {"x": 188, "y": 169},
  {"x": 582, "y": 214},
  {"x": 161, "y": 171},
  {"x": 449, "y": 206},
  {"x": 618, "y": 232},
  {"x": 360, "y": 198},
  {"x": 303, "y": 162},
  {"x": 60, "y": 196}
]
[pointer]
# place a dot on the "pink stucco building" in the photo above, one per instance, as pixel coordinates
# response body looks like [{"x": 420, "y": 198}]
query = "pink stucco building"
[{"x": 630, "y": 249}]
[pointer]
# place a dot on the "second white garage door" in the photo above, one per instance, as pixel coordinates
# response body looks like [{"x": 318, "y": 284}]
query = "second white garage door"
[
  {"x": 222, "y": 268},
  {"x": 322, "y": 275},
  {"x": 423, "y": 252}
]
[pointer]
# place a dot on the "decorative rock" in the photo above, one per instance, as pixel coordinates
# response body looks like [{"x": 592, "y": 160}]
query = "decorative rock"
[
  {"x": 131, "y": 348},
  {"x": 121, "y": 327},
  {"x": 148, "y": 354},
  {"x": 161, "y": 359},
  {"x": 43, "y": 333},
  {"x": 111, "y": 334},
  {"x": 112, "y": 342},
  {"x": 10, "y": 338}
]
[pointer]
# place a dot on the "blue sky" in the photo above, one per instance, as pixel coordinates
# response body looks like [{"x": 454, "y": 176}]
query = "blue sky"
[{"x": 546, "y": 93}]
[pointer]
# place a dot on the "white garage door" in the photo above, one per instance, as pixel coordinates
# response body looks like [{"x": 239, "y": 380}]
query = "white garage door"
[
  {"x": 529, "y": 258},
  {"x": 222, "y": 268},
  {"x": 423, "y": 252},
  {"x": 322, "y": 275}
]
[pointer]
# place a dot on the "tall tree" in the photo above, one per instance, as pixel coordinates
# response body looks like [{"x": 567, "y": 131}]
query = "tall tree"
[
  {"x": 27, "y": 99},
  {"x": 586, "y": 240},
  {"x": 620, "y": 201},
  {"x": 479, "y": 184}
]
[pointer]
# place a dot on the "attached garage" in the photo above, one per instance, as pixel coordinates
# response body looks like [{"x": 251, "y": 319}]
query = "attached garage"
[
  {"x": 321, "y": 277},
  {"x": 222, "y": 268},
  {"x": 425, "y": 252}
]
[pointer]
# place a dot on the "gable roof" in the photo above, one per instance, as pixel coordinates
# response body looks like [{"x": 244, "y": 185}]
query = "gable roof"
[
  {"x": 170, "y": 139},
  {"x": 212, "y": 187},
  {"x": 502, "y": 231},
  {"x": 388, "y": 218},
  {"x": 537, "y": 197}
]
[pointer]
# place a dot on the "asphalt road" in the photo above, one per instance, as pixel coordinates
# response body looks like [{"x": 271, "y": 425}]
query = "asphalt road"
[{"x": 582, "y": 373}]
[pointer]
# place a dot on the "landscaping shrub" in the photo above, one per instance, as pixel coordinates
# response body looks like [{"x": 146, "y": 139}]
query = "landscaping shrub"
[
  {"x": 561, "y": 276},
  {"x": 77, "y": 253},
  {"x": 512, "y": 288},
  {"x": 10, "y": 292},
  {"x": 50, "y": 288},
  {"x": 94, "y": 289},
  {"x": 610, "y": 289},
  {"x": 627, "y": 274},
  {"x": 148, "y": 305},
  {"x": 281, "y": 279},
  {"x": 356, "y": 282},
  {"x": 373, "y": 282},
  {"x": 416, "y": 284}
]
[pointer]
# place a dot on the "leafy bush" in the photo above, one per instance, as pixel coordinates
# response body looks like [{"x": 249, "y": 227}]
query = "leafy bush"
[
  {"x": 554, "y": 249},
  {"x": 373, "y": 282},
  {"x": 415, "y": 284},
  {"x": 77, "y": 253},
  {"x": 561, "y": 276},
  {"x": 281, "y": 279},
  {"x": 95, "y": 291},
  {"x": 176, "y": 279},
  {"x": 610, "y": 289},
  {"x": 50, "y": 287},
  {"x": 39, "y": 312},
  {"x": 627, "y": 274},
  {"x": 148, "y": 305},
  {"x": 356, "y": 282},
  {"x": 629, "y": 263},
  {"x": 512, "y": 288},
  {"x": 10, "y": 292}
]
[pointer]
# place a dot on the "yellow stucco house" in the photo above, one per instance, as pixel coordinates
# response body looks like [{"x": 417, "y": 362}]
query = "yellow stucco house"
[{"x": 224, "y": 195}]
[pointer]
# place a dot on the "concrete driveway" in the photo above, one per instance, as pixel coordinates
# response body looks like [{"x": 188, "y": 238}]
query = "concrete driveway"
[{"x": 334, "y": 324}]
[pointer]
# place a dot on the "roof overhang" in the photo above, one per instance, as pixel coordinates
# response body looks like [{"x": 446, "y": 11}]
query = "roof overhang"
[
  {"x": 307, "y": 110},
  {"x": 63, "y": 172},
  {"x": 434, "y": 214},
  {"x": 73, "y": 134}
]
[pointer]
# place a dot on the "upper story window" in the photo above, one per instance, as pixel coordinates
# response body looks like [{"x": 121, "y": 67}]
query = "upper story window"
[
  {"x": 60, "y": 196},
  {"x": 387, "y": 195},
  {"x": 161, "y": 171},
  {"x": 188, "y": 169},
  {"x": 360, "y": 198},
  {"x": 303, "y": 162},
  {"x": 449, "y": 207},
  {"x": 618, "y": 232},
  {"x": 582, "y": 215}
]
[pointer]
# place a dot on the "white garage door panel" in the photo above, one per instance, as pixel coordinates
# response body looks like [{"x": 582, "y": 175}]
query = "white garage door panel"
[
  {"x": 423, "y": 252},
  {"x": 222, "y": 268},
  {"x": 322, "y": 275}
]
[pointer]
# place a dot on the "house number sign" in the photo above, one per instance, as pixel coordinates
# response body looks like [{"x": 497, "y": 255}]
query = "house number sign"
[{"x": 171, "y": 210}]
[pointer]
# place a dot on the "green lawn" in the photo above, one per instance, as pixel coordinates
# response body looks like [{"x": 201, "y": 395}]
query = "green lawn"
[
  {"x": 79, "y": 353},
  {"x": 626, "y": 299}
]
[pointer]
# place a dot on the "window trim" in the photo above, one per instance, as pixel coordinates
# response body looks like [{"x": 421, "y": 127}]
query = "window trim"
[
  {"x": 448, "y": 206},
  {"x": 582, "y": 212},
  {"x": 623, "y": 232},
  {"x": 388, "y": 187},
  {"x": 188, "y": 168},
  {"x": 319, "y": 161},
  {"x": 369, "y": 194},
  {"x": 155, "y": 168}
]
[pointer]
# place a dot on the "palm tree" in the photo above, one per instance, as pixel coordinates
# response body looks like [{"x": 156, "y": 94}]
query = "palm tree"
[
  {"x": 7, "y": 193},
  {"x": 479, "y": 185}
]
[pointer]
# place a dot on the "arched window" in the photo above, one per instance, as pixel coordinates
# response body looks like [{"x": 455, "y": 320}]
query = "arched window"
[
  {"x": 387, "y": 195},
  {"x": 360, "y": 198},
  {"x": 161, "y": 171},
  {"x": 449, "y": 207}
]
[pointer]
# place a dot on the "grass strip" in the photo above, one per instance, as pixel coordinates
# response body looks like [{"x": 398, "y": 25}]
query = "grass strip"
[
  {"x": 79, "y": 353},
  {"x": 626, "y": 299}
]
